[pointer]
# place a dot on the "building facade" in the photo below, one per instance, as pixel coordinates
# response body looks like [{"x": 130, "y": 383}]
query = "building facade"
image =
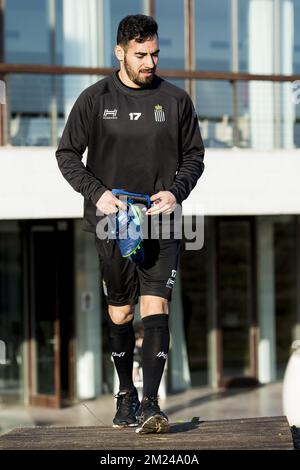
[{"x": 237, "y": 300}]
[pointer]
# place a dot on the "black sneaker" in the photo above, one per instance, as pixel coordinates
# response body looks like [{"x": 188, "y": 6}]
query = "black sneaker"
[
  {"x": 151, "y": 418},
  {"x": 127, "y": 407}
]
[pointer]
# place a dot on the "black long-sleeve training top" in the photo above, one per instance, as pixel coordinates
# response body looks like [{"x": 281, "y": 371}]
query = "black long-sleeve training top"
[{"x": 141, "y": 140}]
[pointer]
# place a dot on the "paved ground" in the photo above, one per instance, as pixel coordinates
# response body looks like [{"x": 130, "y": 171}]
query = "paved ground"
[
  {"x": 240, "y": 434},
  {"x": 202, "y": 402}
]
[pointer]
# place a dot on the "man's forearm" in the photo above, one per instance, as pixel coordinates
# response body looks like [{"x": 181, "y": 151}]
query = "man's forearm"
[{"x": 187, "y": 177}]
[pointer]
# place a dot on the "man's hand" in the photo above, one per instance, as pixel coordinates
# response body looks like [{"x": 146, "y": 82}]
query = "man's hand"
[
  {"x": 164, "y": 203},
  {"x": 109, "y": 204}
]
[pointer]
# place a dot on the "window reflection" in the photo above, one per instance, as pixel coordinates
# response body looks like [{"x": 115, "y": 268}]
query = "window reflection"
[
  {"x": 289, "y": 12},
  {"x": 243, "y": 35},
  {"x": 30, "y": 120},
  {"x": 213, "y": 105},
  {"x": 264, "y": 114},
  {"x": 27, "y": 32},
  {"x": 212, "y": 30},
  {"x": 114, "y": 11},
  {"x": 234, "y": 276},
  {"x": 194, "y": 267},
  {"x": 30, "y": 112},
  {"x": 170, "y": 18},
  {"x": 296, "y": 30}
]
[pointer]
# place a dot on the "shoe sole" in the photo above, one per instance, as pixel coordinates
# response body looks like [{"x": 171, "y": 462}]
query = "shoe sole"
[
  {"x": 155, "y": 424},
  {"x": 125, "y": 425}
]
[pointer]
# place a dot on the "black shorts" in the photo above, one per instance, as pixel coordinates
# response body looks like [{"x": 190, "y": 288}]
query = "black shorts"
[{"x": 124, "y": 281}]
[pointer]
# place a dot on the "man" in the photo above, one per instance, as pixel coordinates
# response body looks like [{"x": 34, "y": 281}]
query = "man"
[{"x": 142, "y": 136}]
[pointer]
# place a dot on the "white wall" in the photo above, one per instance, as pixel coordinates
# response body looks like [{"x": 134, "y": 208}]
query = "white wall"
[
  {"x": 31, "y": 185},
  {"x": 234, "y": 182},
  {"x": 88, "y": 317}
]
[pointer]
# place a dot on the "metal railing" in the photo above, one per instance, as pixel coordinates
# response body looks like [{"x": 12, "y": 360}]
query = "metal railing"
[{"x": 233, "y": 108}]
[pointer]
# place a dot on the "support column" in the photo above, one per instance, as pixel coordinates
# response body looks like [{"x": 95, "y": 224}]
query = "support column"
[
  {"x": 189, "y": 45},
  {"x": 276, "y": 69},
  {"x": 212, "y": 323},
  {"x": 261, "y": 53},
  {"x": 266, "y": 300},
  {"x": 3, "y": 107},
  {"x": 53, "y": 81},
  {"x": 88, "y": 325},
  {"x": 180, "y": 372},
  {"x": 287, "y": 47},
  {"x": 81, "y": 44},
  {"x": 235, "y": 68}
]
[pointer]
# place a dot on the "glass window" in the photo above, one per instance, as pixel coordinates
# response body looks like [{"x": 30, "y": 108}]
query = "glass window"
[
  {"x": 27, "y": 32},
  {"x": 170, "y": 18},
  {"x": 234, "y": 297},
  {"x": 114, "y": 12},
  {"x": 243, "y": 6},
  {"x": 177, "y": 82},
  {"x": 289, "y": 33},
  {"x": 256, "y": 36},
  {"x": 296, "y": 66},
  {"x": 59, "y": 31},
  {"x": 194, "y": 271},
  {"x": 212, "y": 33},
  {"x": 296, "y": 30},
  {"x": 214, "y": 108},
  {"x": 11, "y": 312},
  {"x": 30, "y": 98},
  {"x": 256, "y": 121}
]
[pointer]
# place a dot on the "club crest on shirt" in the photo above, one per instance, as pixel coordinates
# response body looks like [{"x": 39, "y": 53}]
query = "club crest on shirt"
[{"x": 159, "y": 113}]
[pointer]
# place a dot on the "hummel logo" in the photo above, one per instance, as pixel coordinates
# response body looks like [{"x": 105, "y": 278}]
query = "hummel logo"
[
  {"x": 110, "y": 114},
  {"x": 162, "y": 354},
  {"x": 115, "y": 354}
]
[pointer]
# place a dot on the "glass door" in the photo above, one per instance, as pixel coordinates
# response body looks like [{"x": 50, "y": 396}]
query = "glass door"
[
  {"x": 236, "y": 295},
  {"x": 44, "y": 319},
  {"x": 12, "y": 333}
]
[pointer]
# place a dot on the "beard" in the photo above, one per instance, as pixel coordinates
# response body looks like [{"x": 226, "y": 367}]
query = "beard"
[{"x": 137, "y": 77}]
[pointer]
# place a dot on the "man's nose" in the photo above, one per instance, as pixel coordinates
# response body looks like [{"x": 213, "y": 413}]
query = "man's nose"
[{"x": 150, "y": 62}]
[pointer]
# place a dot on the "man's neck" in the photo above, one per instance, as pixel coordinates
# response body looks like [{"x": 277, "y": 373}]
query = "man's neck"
[{"x": 126, "y": 80}]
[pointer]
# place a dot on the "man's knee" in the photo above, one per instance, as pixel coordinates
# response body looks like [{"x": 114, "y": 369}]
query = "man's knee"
[
  {"x": 152, "y": 304},
  {"x": 121, "y": 315}
]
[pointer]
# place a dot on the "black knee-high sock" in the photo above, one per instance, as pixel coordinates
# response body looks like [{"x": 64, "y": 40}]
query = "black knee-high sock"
[
  {"x": 154, "y": 351},
  {"x": 122, "y": 342}
]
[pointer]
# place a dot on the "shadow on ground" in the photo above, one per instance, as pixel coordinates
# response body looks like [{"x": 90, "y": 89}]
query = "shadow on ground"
[{"x": 185, "y": 426}]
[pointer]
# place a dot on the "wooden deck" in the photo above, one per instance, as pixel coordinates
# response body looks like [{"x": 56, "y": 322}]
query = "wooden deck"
[{"x": 242, "y": 434}]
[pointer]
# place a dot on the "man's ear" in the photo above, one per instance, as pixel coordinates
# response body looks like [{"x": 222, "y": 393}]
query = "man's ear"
[{"x": 119, "y": 51}]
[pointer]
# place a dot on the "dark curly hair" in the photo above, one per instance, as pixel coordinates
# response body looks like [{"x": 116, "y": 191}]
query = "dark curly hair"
[{"x": 138, "y": 27}]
